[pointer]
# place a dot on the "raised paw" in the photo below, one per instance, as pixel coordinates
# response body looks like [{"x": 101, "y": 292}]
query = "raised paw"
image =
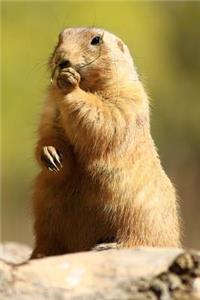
[
  {"x": 51, "y": 158},
  {"x": 68, "y": 79}
]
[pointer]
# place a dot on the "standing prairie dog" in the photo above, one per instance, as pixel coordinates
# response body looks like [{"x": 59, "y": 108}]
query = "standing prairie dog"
[{"x": 101, "y": 179}]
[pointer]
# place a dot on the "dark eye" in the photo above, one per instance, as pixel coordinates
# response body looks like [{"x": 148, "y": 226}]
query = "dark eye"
[{"x": 96, "y": 40}]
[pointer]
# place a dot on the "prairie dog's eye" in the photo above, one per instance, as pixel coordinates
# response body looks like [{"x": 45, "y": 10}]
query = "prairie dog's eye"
[{"x": 96, "y": 40}]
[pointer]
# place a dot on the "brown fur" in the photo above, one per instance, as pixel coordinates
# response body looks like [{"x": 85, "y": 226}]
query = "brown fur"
[{"x": 112, "y": 186}]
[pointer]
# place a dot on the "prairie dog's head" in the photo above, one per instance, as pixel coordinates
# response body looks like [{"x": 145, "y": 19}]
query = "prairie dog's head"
[{"x": 99, "y": 56}]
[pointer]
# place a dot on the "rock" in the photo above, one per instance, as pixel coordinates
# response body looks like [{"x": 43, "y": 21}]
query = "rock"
[
  {"x": 14, "y": 253},
  {"x": 114, "y": 274}
]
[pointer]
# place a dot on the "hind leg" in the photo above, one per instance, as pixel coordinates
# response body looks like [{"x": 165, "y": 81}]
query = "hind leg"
[{"x": 47, "y": 247}]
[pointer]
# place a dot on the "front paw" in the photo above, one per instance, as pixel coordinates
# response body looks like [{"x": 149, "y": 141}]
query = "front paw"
[
  {"x": 51, "y": 158},
  {"x": 68, "y": 79}
]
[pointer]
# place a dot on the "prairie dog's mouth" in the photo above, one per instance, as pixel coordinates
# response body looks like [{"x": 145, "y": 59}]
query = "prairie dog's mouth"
[{"x": 65, "y": 63}]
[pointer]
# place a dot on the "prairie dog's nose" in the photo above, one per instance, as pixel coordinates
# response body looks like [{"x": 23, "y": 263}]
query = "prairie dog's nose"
[{"x": 65, "y": 63}]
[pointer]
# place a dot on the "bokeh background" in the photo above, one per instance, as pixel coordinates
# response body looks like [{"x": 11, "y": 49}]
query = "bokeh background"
[{"x": 164, "y": 38}]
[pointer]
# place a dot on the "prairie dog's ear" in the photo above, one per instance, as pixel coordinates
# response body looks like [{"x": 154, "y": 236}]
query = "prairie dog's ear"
[
  {"x": 120, "y": 44},
  {"x": 125, "y": 53},
  {"x": 123, "y": 48}
]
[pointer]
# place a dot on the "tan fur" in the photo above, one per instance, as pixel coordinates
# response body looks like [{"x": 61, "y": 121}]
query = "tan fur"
[{"x": 112, "y": 186}]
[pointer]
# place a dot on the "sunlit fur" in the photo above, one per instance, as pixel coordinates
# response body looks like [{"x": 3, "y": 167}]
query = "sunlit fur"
[{"x": 112, "y": 186}]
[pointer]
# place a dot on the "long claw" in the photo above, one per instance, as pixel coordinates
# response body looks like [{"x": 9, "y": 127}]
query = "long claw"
[
  {"x": 51, "y": 158},
  {"x": 56, "y": 157}
]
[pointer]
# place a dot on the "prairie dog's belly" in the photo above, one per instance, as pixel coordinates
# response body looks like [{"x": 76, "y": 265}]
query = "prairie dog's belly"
[
  {"x": 75, "y": 212},
  {"x": 99, "y": 185}
]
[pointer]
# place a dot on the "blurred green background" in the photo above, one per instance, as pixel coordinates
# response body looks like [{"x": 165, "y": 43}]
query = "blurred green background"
[{"x": 164, "y": 38}]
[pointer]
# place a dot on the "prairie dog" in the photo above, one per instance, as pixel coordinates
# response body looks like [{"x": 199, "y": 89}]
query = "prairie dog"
[{"x": 101, "y": 179}]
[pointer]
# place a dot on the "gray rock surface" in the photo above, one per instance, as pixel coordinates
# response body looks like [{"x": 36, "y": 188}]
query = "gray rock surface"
[{"x": 114, "y": 274}]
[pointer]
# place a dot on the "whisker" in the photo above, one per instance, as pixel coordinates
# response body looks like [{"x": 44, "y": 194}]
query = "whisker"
[
  {"x": 117, "y": 80},
  {"x": 40, "y": 65}
]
